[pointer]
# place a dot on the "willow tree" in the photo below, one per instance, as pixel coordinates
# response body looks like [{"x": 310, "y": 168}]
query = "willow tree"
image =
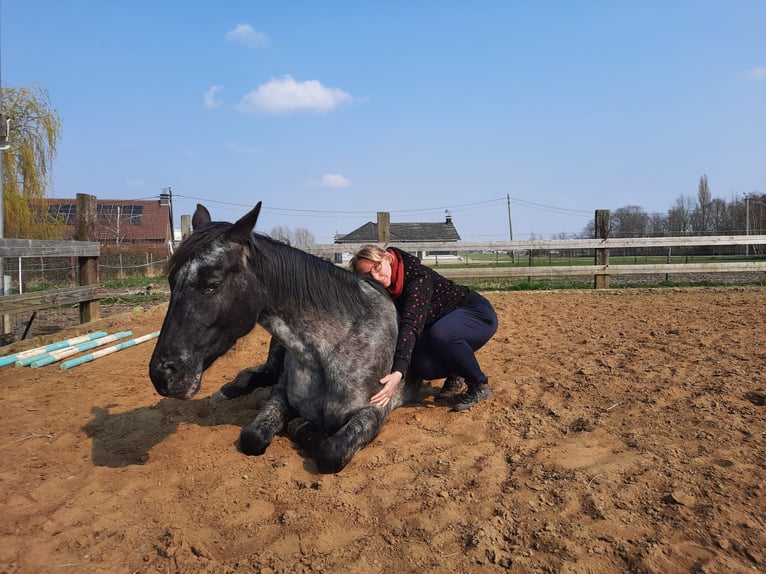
[{"x": 35, "y": 130}]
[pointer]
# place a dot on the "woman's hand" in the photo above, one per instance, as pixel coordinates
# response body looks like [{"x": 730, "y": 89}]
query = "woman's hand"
[{"x": 389, "y": 382}]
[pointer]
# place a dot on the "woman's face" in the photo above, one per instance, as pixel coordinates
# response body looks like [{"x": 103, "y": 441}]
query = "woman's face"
[{"x": 380, "y": 271}]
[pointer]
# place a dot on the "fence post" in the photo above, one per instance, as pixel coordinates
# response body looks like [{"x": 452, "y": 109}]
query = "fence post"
[
  {"x": 384, "y": 227},
  {"x": 601, "y": 281},
  {"x": 87, "y": 219},
  {"x": 186, "y": 228}
]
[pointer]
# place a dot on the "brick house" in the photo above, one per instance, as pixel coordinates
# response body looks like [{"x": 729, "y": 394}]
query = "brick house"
[{"x": 120, "y": 221}]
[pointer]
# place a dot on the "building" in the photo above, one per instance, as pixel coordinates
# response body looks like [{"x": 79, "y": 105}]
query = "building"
[
  {"x": 120, "y": 221},
  {"x": 441, "y": 232}
]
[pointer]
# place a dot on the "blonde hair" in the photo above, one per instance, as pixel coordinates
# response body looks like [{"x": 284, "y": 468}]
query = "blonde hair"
[{"x": 369, "y": 252}]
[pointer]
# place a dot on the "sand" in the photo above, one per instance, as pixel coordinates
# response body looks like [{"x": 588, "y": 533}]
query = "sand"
[{"x": 627, "y": 434}]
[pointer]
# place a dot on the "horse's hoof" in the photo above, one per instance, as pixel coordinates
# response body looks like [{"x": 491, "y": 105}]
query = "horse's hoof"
[
  {"x": 252, "y": 442},
  {"x": 330, "y": 460},
  {"x": 308, "y": 435}
]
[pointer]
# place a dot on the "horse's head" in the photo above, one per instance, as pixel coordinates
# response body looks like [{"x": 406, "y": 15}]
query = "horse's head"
[{"x": 213, "y": 302}]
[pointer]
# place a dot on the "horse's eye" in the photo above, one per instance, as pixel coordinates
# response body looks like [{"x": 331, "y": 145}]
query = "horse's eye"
[{"x": 213, "y": 287}]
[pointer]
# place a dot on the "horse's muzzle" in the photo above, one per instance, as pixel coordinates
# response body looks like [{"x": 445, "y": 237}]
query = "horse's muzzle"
[{"x": 168, "y": 381}]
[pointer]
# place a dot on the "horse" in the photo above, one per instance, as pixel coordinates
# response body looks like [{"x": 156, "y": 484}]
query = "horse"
[{"x": 335, "y": 330}]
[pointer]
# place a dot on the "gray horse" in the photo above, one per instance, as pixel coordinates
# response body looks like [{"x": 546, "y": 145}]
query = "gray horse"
[{"x": 336, "y": 330}]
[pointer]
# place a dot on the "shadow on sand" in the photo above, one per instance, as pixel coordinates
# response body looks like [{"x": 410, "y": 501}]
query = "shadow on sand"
[{"x": 124, "y": 439}]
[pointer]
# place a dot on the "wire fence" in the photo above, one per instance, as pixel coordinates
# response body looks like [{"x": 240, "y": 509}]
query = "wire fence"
[
  {"x": 31, "y": 273},
  {"x": 26, "y": 274}
]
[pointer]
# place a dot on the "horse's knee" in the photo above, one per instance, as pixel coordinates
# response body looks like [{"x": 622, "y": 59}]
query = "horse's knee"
[{"x": 253, "y": 441}]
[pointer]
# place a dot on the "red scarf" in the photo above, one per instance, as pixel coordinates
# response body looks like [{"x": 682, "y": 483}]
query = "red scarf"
[{"x": 397, "y": 275}]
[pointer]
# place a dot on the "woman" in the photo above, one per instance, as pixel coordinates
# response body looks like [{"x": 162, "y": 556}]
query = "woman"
[{"x": 441, "y": 325}]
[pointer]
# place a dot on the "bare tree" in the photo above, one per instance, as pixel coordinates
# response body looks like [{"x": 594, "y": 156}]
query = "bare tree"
[
  {"x": 700, "y": 216},
  {"x": 629, "y": 221},
  {"x": 113, "y": 221},
  {"x": 657, "y": 225},
  {"x": 304, "y": 239},
  {"x": 718, "y": 216},
  {"x": 679, "y": 216},
  {"x": 282, "y": 233}
]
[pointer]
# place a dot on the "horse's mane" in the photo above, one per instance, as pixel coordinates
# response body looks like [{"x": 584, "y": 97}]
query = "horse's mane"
[
  {"x": 297, "y": 277},
  {"x": 306, "y": 280}
]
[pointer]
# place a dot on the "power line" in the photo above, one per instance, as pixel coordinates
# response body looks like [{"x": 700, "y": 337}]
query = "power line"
[{"x": 342, "y": 213}]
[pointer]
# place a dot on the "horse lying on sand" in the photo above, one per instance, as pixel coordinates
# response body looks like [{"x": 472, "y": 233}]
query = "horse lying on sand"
[{"x": 337, "y": 331}]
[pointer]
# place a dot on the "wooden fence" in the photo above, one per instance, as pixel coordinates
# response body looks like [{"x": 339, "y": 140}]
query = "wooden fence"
[
  {"x": 87, "y": 294},
  {"x": 600, "y": 247}
]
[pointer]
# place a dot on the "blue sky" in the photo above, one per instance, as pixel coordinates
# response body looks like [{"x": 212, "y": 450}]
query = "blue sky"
[{"x": 331, "y": 111}]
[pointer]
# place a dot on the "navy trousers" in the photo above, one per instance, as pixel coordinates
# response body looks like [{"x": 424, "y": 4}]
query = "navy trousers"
[{"x": 447, "y": 347}]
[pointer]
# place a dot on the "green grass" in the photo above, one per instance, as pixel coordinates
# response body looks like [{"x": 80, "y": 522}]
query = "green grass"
[
  {"x": 517, "y": 284},
  {"x": 483, "y": 259},
  {"x": 137, "y": 282},
  {"x": 134, "y": 298}
]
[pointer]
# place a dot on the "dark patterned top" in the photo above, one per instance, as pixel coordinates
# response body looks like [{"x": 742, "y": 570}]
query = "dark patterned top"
[{"x": 426, "y": 297}]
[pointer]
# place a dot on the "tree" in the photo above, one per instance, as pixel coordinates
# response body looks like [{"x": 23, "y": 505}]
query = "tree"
[
  {"x": 700, "y": 218},
  {"x": 629, "y": 221},
  {"x": 281, "y": 233},
  {"x": 304, "y": 239},
  {"x": 679, "y": 216},
  {"x": 35, "y": 130},
  {"x": 657, "y": 225},
  {"x": 301, "y": 238}
]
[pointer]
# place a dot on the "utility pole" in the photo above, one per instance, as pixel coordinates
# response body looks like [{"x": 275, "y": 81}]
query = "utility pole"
[
  {"x": 510, "y": 226},
  {"x": 172, "y": 225}
]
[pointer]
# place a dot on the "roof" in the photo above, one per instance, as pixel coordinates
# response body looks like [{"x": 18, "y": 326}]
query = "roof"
[
  {"x": 404, "y": 232},
  {"x": 120, "y": 220}
]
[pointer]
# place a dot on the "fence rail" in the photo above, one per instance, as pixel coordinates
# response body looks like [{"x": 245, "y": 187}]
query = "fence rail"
[
  {"x": 554, "y": 244},
  {"x": 50, "y": 298},
  {"x": 48, "y": 248},
  {"x": 598, "y": 246}
]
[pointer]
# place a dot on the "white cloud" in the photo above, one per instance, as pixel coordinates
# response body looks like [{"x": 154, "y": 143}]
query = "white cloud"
[
  {"x": 285, "y": 95},
  {"x": 335, "y": 180},
  {"x": 247, "y": 35},
  {"x": 210, "y": 99},
  {"x": 758, "y": 73}
]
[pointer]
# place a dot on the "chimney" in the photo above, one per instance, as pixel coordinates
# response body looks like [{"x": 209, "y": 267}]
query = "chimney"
[{"x": 449, "y": 217}]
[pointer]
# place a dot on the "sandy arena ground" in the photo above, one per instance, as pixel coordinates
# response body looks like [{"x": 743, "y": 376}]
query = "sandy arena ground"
[{"x": 627, "y": 434}]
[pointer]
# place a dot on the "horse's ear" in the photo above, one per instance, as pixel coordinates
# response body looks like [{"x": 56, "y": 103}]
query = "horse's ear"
[
  {"x": 244, "y": 225},
  {"x": 201, "y": 217}
]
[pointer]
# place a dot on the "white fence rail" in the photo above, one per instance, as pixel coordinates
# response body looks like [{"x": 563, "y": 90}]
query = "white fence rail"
[{"x": 489, "y": 269}]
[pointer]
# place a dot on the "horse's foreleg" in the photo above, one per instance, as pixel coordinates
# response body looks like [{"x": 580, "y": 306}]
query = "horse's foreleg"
[
  {"x": 256, "y": 377},
  {"x": 336, "y": 452},
  {"x": 271, "y": 419}
]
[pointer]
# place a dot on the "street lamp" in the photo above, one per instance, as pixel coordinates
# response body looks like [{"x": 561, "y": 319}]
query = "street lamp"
[{"x": 747, "y": 222}]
